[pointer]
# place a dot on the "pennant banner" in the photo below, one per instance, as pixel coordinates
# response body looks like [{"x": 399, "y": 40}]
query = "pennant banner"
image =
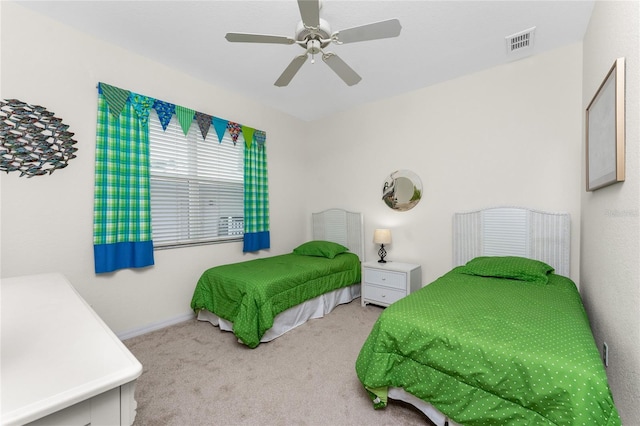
[
  {"x": 221, "y": 126},
  {"x": 185, "y": 117},
  {"x": 116, "y": 98},
  {"x": 260, "y": 136},
  {"x": 142, "y": 105},
  {"x": 204, "y": 122},
  {"x": 234, "y": 130},
  {"x": 165, "y": 111},
  {"x": 247, "y": 133}
]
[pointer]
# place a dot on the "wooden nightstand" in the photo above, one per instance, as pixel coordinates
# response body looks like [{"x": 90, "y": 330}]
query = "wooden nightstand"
[{"x": 384, "y": 283}]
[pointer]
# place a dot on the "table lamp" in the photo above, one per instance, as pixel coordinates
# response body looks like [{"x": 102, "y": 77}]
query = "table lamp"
[{"x": 382, "y": 237}]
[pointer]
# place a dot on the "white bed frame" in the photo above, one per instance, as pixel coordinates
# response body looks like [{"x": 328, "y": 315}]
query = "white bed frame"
[
  {"x": 503, "y": 231},
  {"x": 513, "y": 231},
  {"x": 342, "y": 227},
  {"x": 336, "y": 225}
]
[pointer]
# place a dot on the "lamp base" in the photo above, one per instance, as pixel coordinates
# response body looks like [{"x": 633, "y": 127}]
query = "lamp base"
[{"x": 382, "y": 253}]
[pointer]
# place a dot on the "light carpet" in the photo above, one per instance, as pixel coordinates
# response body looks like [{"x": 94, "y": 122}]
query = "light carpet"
[{"x": 195, "y": 374}]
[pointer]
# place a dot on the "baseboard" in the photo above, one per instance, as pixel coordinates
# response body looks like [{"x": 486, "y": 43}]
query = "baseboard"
[{"x": 155, "y": 326}]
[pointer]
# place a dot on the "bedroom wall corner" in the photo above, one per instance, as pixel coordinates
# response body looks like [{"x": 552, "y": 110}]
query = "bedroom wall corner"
[
  {"x": 506, "y": 136},
  {"x": 610, "y": 226},
  {"x": 47, "y": 221}
]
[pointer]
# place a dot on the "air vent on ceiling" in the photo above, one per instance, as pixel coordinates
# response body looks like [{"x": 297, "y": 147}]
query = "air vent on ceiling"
[{"x": 520, "y": 41}]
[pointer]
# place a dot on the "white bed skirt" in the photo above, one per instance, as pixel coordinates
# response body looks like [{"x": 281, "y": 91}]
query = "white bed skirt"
[
  {"x": 295, "y": 316},
  {"x": 429, "y": 410}
]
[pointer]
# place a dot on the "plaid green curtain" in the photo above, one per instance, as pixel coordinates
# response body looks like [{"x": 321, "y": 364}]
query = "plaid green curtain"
[
  {"x": 256, "y": 195},
  {"x": 122, "y": 215}
]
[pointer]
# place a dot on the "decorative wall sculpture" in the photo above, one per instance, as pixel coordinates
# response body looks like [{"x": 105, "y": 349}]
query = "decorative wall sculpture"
[{"x": 32, "y": 140}]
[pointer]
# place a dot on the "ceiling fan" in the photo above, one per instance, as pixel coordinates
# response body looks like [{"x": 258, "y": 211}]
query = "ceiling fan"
[{"x": 314, "y": 34}]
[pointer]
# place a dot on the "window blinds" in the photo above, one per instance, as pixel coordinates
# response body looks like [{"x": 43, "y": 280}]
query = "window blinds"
[{"x": 196, "y": 185}]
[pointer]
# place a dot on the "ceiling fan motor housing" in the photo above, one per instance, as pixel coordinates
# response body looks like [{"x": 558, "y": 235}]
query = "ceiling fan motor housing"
[{"x": 322, "y": 34}]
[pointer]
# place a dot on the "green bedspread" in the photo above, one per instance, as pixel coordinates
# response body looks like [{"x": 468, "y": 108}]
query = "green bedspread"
[
  {"x": 488, "y": 351},
  {"x": 250, "y": 294}
]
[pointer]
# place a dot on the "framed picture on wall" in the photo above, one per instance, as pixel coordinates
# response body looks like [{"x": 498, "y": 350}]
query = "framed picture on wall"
[{"x": 605, "y": 131}]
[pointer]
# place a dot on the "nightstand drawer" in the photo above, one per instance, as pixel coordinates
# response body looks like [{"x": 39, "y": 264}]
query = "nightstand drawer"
[
  {"x": 386, "y": 278},
  {"x": 383, "y": 295}
]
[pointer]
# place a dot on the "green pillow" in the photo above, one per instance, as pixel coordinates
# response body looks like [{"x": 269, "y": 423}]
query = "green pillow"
[
  {"x": 320, "y": 248},
  {"x": 512, "y": 267}
]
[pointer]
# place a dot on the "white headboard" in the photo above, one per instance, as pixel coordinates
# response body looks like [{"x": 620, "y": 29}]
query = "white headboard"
[
  {"x": 340, "y": 226},
  {"x": 513, "y": 231}
]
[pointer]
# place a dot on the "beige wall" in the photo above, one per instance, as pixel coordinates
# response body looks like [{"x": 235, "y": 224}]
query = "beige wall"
[
  {"x": 508, "y": 136},
  {"x": 47, "y": 221},
  {"x": 610, "y": 249}
]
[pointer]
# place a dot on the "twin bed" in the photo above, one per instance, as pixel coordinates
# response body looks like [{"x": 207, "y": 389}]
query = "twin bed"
[
  {"x": 503, "y": 338},
  {"x": 261, "y": 299}
]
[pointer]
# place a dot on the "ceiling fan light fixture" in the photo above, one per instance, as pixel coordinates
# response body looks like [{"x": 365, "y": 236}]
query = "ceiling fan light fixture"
[{"x": 313, "y": 47}]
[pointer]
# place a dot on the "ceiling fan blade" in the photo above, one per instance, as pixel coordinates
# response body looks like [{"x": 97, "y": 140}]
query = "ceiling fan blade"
[
  {"x": 258, "y": 38},
  {"x": 291, "y": 71},
  {"x": 310, "y": 12},
  {"x": 374, "y": 31},
  {"x": 341, "y": 68}
]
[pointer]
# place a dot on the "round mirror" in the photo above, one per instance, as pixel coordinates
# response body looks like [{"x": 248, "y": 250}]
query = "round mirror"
[{"x": 402, "y": 190}]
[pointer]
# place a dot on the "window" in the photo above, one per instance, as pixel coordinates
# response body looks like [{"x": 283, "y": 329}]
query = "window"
[{"x": 197, "y": 186}]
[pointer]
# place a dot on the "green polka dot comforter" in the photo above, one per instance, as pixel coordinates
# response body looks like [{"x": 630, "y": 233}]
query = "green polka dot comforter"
[
  {"x": 250, "y": 294},
  {"x": 491, "y": 351}
]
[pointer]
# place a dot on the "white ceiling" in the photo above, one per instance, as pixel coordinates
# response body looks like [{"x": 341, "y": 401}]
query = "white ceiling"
[{"x": 440, "y": 40}]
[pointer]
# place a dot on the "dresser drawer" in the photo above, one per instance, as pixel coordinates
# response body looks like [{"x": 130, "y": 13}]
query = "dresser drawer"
[
  {"x": 386, "y": 278},
  {"x": 382, "y": 295}
]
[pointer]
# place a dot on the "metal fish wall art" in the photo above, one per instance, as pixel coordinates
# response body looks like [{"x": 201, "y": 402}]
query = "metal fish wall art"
[{"x": 32, "y": 140}]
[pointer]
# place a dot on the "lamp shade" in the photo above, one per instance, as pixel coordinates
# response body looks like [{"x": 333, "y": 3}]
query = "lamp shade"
[{"x": 382, "y": 236}]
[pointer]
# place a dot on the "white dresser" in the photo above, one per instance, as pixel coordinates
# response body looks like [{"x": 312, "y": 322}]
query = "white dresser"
[
  {"x": 61, "y": 364},
  {"x": 384, "y": 283}
]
